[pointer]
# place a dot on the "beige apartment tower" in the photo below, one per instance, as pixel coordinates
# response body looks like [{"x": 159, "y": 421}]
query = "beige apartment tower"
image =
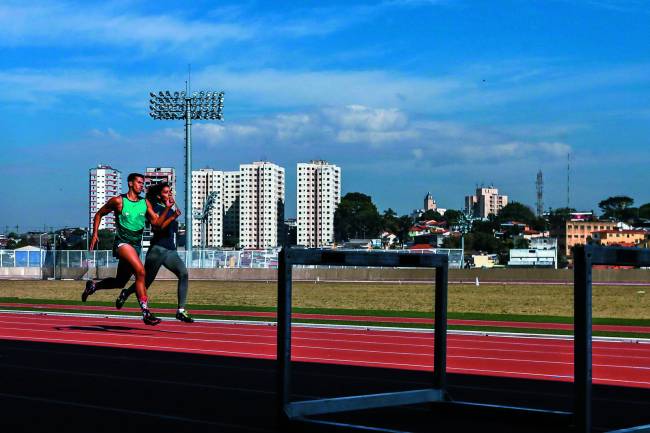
[
  {"x": 261, "y": 205},
  {"x": 486, "y": 201},
  {"x": 318, "y": 194}
]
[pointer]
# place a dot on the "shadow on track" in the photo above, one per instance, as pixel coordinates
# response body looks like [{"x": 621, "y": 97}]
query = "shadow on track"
[{"x": 69, "y": 388}]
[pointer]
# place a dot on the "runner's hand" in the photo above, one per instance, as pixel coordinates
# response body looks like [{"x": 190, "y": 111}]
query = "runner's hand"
[
  {"x": 178, "y": 212},
  {"x": 93, "y": 242}
]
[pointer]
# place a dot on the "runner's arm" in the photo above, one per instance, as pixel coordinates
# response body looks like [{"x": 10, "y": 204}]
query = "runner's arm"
[
  {"x": 158, "y": 220},
  {"x": 169, "y": 219},
  {"x": 111, "y": 206}
]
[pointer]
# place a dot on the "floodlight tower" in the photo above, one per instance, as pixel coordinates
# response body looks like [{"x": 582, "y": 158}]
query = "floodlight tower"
[{"x": 183, "y": 106}]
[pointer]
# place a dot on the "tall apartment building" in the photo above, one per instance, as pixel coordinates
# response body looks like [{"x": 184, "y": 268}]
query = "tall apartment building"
[
  {"x": 486, "y": 201},
  {"x": 210, "y": 233},
  {"x": 104, "y": 183},
  {"x": 154, "y": 175},
  {"x": 261, "y": 205},
  {"x": 319, "y": 193}
]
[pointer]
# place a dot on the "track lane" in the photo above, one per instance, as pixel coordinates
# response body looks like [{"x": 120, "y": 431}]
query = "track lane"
[{"x": 620, "y": 363}]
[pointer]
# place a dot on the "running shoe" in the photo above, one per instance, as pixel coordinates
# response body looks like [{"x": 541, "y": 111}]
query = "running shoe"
[
  {"x": 121, "y": 299},
  {"x": 89, "y": 290},
  {"x": 149, "y": 319},
  {"x": 184, "y": 317}
]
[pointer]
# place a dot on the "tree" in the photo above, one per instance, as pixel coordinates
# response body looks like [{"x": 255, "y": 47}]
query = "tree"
[
  {"x": 389, "y": 221},
  {"x": 453, "y": 217},
  {"x": 404, "y": 223},
  {"x": 644, "y": 211},
  {"x": 430, "y": 214},
  {"x": 616, "y": 207},
  {"x": 105, "y": 239},
  {"x": 356, "y": 217},
  {"x": 558, "y": 217},
  {"x": 516, "y": 211}
]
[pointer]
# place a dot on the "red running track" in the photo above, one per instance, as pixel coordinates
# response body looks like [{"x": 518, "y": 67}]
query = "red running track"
[
  {"x": 614, "y": 363},
  {"x": 348, "y": 318}
]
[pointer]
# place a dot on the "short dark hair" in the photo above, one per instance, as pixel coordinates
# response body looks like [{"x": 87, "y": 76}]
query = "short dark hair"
[{"x": 132, "y": 176}]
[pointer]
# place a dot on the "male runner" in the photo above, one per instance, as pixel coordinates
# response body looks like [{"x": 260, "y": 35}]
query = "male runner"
[
  {"x": 130, "y": 210},
  {"x": 162, "y": 251}
]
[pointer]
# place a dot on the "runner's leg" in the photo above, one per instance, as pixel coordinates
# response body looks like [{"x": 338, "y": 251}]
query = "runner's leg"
[
  {"x": 174, "y": 263},
  {"x": 152, "y": 263},
  {"x": 124, "y": 272}
]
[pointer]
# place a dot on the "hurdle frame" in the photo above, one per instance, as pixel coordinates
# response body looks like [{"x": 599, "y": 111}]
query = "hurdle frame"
[
  {"x": 298, "y": 412},
  {"x": 584, "y": 257}
]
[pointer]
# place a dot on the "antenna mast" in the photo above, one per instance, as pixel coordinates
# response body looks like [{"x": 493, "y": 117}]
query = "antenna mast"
[{"x": 540, "y": 193}]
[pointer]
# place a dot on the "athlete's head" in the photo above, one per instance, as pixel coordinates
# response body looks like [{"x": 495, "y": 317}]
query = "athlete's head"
[
  {"x": 159, "y": 192},
  {"x": 136, "y": 182}
]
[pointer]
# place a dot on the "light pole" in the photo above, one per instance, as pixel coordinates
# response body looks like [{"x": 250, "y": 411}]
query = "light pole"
[{"x": 183, "y": 106}]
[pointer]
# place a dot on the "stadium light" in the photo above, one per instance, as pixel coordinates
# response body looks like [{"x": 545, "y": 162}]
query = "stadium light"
[{"x": 181, "y": 106}]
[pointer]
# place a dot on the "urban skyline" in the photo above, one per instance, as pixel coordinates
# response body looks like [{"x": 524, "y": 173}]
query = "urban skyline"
[{"x": 431, "y": 95}]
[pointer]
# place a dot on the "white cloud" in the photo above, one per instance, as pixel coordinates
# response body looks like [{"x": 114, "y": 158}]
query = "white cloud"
[{"x": 354, "y": 132}]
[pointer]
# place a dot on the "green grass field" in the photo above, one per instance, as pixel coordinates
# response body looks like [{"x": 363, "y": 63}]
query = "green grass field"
[{"x": 620, "y": 302}]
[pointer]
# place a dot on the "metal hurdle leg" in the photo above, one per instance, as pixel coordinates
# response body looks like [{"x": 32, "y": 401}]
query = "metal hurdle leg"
[
  {"x": 440, "y": 330},
  {"x": 582, "y": 362},
  {"x": 284, "y": 334}
]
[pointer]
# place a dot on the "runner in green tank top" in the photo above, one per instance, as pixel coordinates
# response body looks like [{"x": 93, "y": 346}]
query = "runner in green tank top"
[{"x": 130, "y": 212}]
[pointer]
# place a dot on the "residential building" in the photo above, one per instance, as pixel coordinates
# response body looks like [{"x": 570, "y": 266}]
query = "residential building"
[
  {"x": 542, "y": 252},
  {"x": 486, "y": 201},
  {"x": 579, "y": 232},
  {"x": 208, "y": 232},
  {"x": 533, "y": 258},
  {"x": 155, "y": 175},
  {"x": 625, "y": 238},
  {"x": 105, "y": 182},
  {"x": 261, "y": 205},
  {"x": 318, "y": 195}
]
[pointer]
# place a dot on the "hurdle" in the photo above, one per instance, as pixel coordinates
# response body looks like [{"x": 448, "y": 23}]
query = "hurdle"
[
  {"x": 301, "y": 412},
  {"x": 584, "y": 257}
]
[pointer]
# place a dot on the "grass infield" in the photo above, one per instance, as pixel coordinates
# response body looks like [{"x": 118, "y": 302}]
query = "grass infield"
[{"x": 613, "y": 305}]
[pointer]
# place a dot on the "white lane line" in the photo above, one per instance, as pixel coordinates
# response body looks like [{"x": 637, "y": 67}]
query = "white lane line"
[
  {"x": 337, "y": 349},
  {"x": 347, "y": 341},
  {"x": 221, "y": 336}
]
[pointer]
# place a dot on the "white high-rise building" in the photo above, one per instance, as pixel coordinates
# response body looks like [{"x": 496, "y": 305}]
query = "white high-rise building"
[
  {"x": 204, "y": 182},
  {"x": 154, "y": 175},
  {"x": 319, "y": 193},
  {"x": 105, "y": 182},
  {"x": 261, "y": 205}
]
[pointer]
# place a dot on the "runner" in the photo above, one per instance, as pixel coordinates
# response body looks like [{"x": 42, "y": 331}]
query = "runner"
[
  {"x": 163, "y": 249},
  {"x": 130, "y": 210}
]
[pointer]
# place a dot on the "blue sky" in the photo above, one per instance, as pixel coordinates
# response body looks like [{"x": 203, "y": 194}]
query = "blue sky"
[{"x": 407, "y": 96}]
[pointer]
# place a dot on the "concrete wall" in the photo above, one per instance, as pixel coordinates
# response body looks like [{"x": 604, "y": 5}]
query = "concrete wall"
[
  {"x": 15, "y": 273},
  {"x": 389, "y": 274},
  {"x": 351, "y": 274}
]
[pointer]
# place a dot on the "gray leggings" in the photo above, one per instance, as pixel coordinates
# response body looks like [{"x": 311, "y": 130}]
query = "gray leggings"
[{"x": 157, "y": 256}]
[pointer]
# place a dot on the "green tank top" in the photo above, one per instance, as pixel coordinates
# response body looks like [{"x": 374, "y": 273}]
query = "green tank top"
[{"x": 130, "y": 222}]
